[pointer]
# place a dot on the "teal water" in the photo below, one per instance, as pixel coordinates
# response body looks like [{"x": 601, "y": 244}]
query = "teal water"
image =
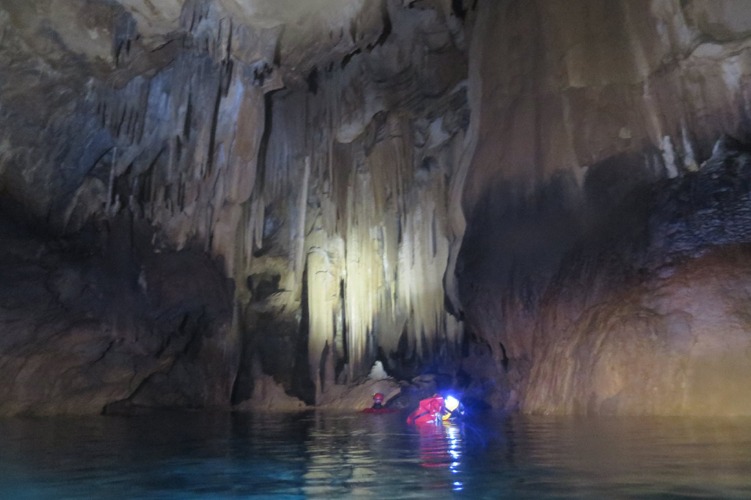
[{"x": 324, "y": 455}]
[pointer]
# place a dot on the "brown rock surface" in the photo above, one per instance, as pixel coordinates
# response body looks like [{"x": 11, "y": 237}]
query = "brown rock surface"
[
  {"x": 84, "y": 328},
  {"x": 678, "y": 344},
  {"x": 577, "y": 107},
  {"x": 484, "y": 190}
]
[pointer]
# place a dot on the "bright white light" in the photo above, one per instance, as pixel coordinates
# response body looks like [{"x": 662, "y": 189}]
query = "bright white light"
[{"x": 451, "y": 403}]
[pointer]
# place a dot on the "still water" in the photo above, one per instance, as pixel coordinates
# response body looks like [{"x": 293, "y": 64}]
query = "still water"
[{"x": 324, "y": 455}]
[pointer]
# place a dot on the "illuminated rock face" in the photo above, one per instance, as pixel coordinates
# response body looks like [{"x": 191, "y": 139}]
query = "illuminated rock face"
[
  {"x": 673, "y": 345},
  {"x": 649, "y": 315},
  {"x": 582, "y": 108},
  {"x": 307, "y": 146},
  {"x": 293, "y": 190},
  {"x": 360, "y": 164}
]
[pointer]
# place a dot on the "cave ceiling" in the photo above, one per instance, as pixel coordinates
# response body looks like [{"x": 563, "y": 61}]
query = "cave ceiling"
[{"x": 92, "y": 35}]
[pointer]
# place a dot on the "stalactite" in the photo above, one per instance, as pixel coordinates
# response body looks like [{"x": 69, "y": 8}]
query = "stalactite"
[
  {"x": 111, "y": 183},
  {"x": 209, "y": 173},
  {"x": 362, "y": 270},
  {"x": 341, "y": 171},
  {"x": 388, "y": 163},
  {"x": 422, "y": 262},
  {"x": 298, "y": 231},
  {"x": 322, "y": 278},
  {"x": 369, "y": 192}
]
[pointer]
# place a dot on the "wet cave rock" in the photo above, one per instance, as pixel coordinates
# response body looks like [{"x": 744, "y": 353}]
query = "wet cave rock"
[{"x": 273, "y": 205}]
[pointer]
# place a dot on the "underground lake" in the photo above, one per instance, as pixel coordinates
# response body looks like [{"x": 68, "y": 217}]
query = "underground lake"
[{"x": 356, "y": 455}]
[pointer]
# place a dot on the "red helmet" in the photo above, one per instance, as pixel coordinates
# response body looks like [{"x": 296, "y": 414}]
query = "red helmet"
[{"x": 378, "y": 397}]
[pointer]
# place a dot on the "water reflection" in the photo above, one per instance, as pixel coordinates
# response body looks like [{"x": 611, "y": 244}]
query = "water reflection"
[
  {"x": 317, "y": 455},
  {"x": 349, "y": 454},
  {"x": 645, "y": 456},
  {"x": 441, "y": 447}
]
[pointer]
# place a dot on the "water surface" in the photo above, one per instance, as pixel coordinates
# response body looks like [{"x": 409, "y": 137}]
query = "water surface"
[{"x": 325, "y": 455}]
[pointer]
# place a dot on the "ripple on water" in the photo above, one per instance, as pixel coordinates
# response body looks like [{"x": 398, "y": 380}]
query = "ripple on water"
[{"x": 319, "y": 455}]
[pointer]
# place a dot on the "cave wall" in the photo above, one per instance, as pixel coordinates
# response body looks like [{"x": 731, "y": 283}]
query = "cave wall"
[
  {"x": 584, "y": 109},
  {"x": 111, "y": 328},
  {"x": 307, "y": 149},
  {"x": 528, "y": 199},
  {"x": 356, "y": 177}
]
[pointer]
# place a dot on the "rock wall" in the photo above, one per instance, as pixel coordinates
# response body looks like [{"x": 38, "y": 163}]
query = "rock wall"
[
  {"x": 649, "y": 318},
  {"x": 525, "y": 199},
  {"x": 88, "y": 329},
  {"x": 584, "y": 108},
  {"x": 309, "y": 148},
  {"x": 359, "y": 164}
]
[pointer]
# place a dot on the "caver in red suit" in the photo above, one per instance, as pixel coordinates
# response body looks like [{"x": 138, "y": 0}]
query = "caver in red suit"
[{"x": 429, "y": 410}]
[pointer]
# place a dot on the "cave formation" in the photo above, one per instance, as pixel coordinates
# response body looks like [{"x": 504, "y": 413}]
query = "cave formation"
[{"x": 545, "y": 205}]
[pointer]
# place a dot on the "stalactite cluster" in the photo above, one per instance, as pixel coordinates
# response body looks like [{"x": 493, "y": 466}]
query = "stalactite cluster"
[
  {"x": 360, "y": 164},
  {"x": 339, "y": 183},
  {"x": 185, "y": 154},
  {"x": 498, "y": 193}
]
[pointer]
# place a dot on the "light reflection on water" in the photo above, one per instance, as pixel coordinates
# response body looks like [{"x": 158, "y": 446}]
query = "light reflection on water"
[{"x": 319, "y": 455}]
